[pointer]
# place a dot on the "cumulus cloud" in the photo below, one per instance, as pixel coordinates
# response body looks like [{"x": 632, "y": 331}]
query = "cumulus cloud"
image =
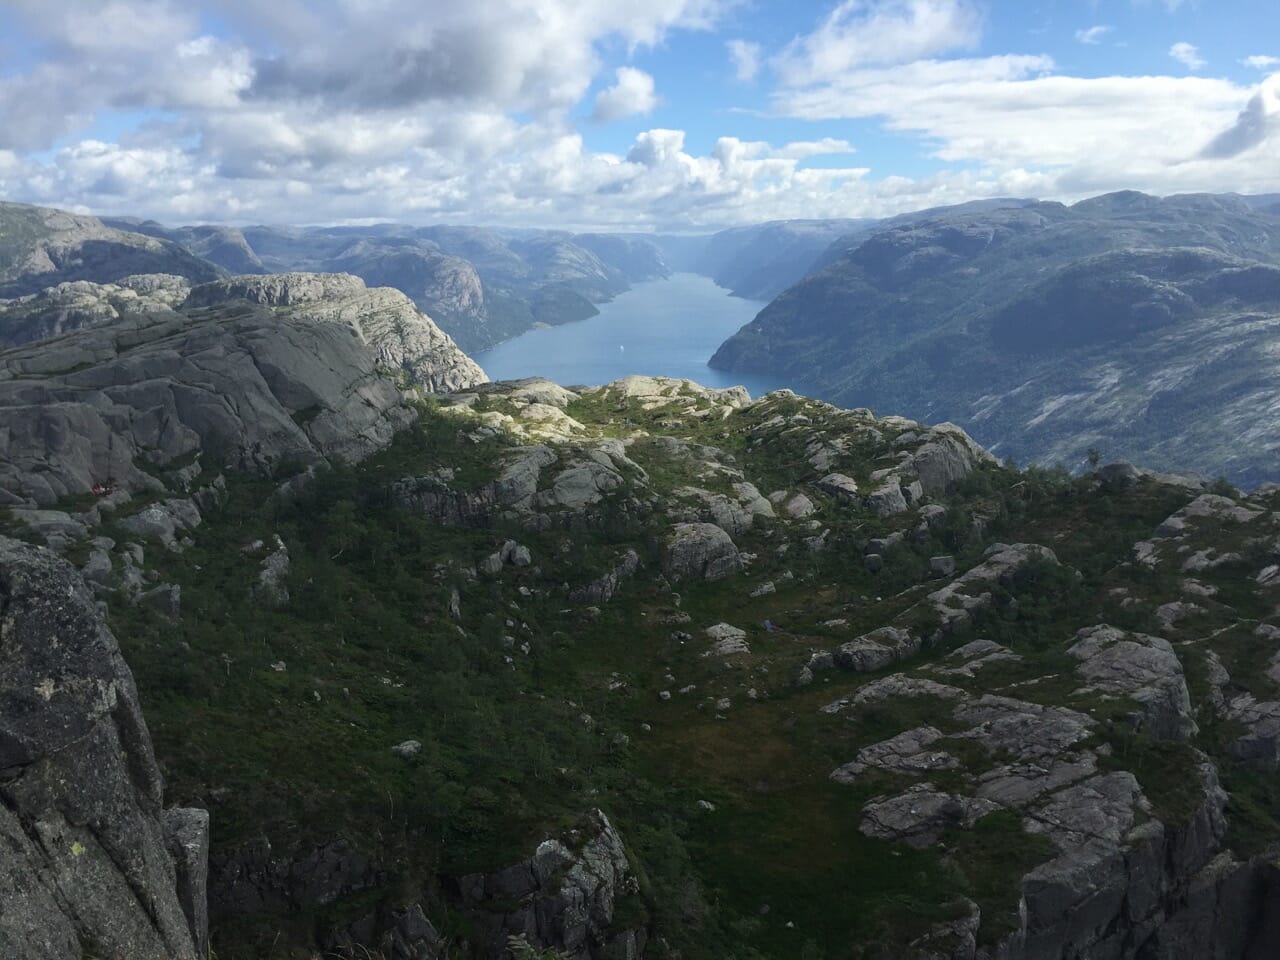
[
  {"x": 470, "y": 114},
  {"x": 1258, "y": 122},
  {"x": 861, "y": 33},
  {"x": 745, "y": 57},
  {"x": 1261, "y": 62},
  {"x": 632, "y": 94},
  {"x": 1187, "y": 54},
  {"x": 1092, "y": 35}
]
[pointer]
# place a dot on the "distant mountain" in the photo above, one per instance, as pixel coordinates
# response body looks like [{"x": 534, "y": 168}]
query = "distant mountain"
[
  {"x": 41, "y": 247},
  {"x": 482, "y": 286},
  {"x": 225, "y": 246},
  {"x": 637, "y": 258},
  {"x": 759, "y": 262},
  {"x": 1138, "y": 326}
]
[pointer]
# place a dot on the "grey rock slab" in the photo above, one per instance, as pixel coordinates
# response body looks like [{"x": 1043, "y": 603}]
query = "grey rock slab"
[
  {"x": 84, "y": 863},
  {"x": 877, "y": 649},
  {"x": 910, "y": 752},
  {"x": 1104, "y": 807},
  {"x": 1029, "y": 731},
  {"x": 921, "y": 815},
  {"x": 1143, "y": 668}
]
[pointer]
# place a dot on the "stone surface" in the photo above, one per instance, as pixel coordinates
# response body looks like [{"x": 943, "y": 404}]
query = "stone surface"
[
  {"x": 1144, "y": 669},
  {"x": 85, "y": 866},
  {"x": 701, "y": 550},
  {"x": 247, "y": 389}
]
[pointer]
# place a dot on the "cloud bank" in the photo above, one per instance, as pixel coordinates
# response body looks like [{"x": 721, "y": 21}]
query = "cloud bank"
[{"x": 484, "y": 112}]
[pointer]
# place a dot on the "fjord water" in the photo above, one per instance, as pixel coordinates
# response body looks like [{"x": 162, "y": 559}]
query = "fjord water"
[{"x": 665, "y": 328}]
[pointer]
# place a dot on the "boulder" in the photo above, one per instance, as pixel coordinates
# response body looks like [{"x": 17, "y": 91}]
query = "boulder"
[
  {"x": 1144, "y": 669},
  {"x": 887, "y": 499},
  {"x": 838, "y": 485},
  {"x": 701, "y": 550},
  {"x": 877, "y": 649}
]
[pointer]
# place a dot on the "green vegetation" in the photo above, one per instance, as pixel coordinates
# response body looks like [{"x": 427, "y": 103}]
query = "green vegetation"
[{"x": 531, "y": 711}]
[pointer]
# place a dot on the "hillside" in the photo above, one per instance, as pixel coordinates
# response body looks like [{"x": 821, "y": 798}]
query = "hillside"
[
  {"x": 481, "y": 286},
  {"x": 41, "y": 247},
  {"x": 1127, "y": 324},
  {"x": 649, "y": 669}
]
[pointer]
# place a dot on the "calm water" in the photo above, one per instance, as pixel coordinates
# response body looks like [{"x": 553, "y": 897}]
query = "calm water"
[{"x": 665, "y": 328}]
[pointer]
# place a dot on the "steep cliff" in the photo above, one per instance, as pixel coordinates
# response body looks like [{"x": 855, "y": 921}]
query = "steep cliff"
[{"x": 85, "y": 864}]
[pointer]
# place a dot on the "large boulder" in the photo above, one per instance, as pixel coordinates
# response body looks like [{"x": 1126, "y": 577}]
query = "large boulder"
[
  {"x": 701, "y": 550},
  {"x": 85, "y": 863}
]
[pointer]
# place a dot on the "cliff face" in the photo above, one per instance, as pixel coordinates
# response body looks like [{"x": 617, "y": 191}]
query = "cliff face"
[
  {"x": 85, "y": 863},
  {"x": 402, "y": 338}
]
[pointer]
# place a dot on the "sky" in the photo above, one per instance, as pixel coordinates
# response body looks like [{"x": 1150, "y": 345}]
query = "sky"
[{"x": 672, "y": 115}]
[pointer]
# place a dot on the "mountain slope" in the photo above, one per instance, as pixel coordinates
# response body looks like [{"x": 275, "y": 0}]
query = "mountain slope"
[
  {"x": 615, "y": 669},
  {"x": 221, "y": 245},
  {"x": 1135, "y": 325},
  {"x": 41, "y": 247}
]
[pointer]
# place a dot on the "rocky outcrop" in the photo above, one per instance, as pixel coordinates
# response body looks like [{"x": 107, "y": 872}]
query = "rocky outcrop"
[
  {"x": 70, "y": 306},
  {"x": 564, "y": 897},
  {"x": 246, "y": 389},
  {"x": 1144, "y": 669},
  {"x": 539, "y": 486},
  {"x": 402, "y": 338},
  {"x": 602, "y": 589},
  {"x": 87, "y": 863}
]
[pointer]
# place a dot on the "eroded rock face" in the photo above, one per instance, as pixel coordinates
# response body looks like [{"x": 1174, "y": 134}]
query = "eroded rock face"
[
  {"x": 247, "y": 389},
  {"x": 565, "y": 895},
  {"x": 85, "y": 867},
  {"x": 401, "y": 337},
  {"x": 81, "y": 303}
]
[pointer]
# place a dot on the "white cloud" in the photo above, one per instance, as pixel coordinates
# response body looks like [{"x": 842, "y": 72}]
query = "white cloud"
[
  {"x": 861, "y": 33},
  {"x": 1070, "y": 136},
  {"x": 1261, "y": 62},
  {"x": 632, "y": 94},
  {"x": 1187, "y": 54},
  {"x": 1093, "y": 35},
  {"x": 469, "y": 115},
  {"x": 745, "y": 57},
  {"x": 1258, "y": 122}
]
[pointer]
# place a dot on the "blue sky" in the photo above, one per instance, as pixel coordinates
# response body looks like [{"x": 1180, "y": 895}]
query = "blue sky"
[{"x": 666, "y": 114}]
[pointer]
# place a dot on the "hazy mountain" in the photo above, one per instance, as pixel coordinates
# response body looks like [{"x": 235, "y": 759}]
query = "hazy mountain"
[
  {"x": 225, "y": 246},
  {"x": 1136, "y": 325},
  {"x": 760, "y": 261},
  {"x": 482, "y": 286},
  {"x": 41, "y": 247},
  {"x": 637, "y": 258}
]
